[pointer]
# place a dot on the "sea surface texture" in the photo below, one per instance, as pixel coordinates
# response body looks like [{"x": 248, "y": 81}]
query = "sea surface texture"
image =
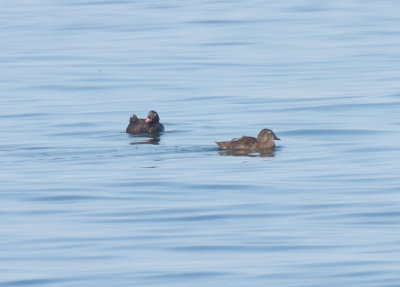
[{"x": 82, "y": 203}]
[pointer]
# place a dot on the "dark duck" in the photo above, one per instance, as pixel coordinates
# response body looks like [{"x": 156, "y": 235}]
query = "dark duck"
[
  {"x": 264, "y": 140},
  {"x": 149, "y": 125}
]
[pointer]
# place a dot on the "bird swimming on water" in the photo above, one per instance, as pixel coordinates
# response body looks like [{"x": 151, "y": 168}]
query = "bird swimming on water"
[
  {"x": 264, "y": 140},
  {"x": 149, "y": 125}
]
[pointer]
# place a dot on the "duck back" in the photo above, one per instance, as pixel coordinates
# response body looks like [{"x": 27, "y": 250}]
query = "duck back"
[{"x": 244, "y": 143}]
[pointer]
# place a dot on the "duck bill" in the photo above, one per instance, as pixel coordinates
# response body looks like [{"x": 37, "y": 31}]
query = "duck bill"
[
  {"x": 276, "y": 138},
  {"x": 147, "y": 120}
]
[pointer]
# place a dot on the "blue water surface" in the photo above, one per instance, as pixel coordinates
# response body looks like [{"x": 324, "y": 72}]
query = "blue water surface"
[{"x": 85, "y": 204}]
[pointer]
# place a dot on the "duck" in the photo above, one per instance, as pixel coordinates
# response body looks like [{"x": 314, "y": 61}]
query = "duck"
[
  {"x": 264, "y": 140},
  {"x": 149, "y": 125}
]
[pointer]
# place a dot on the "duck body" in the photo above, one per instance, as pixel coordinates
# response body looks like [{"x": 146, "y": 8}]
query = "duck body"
[
  {"x": 149, "y": 125},
  {"x": 264, "y": 140}
]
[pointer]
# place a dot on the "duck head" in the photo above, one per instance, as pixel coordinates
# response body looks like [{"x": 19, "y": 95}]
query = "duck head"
[
  {"x": 152, "y": 117},
  {"x": 267, "y": 135}
]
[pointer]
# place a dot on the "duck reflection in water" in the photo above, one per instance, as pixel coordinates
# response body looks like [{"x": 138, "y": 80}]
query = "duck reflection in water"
[
  {"x": 264, "y": 153},
  {"x": 151, "y": 139}
]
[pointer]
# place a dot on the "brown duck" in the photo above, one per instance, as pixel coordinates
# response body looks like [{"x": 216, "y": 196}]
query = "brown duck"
[
  {"x": 264, "y": 140},
  {"x": 149, "y": 125}
]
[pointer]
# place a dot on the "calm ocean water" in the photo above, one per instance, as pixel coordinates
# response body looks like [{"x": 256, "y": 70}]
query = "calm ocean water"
[{"x": 85, "y": 204}]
